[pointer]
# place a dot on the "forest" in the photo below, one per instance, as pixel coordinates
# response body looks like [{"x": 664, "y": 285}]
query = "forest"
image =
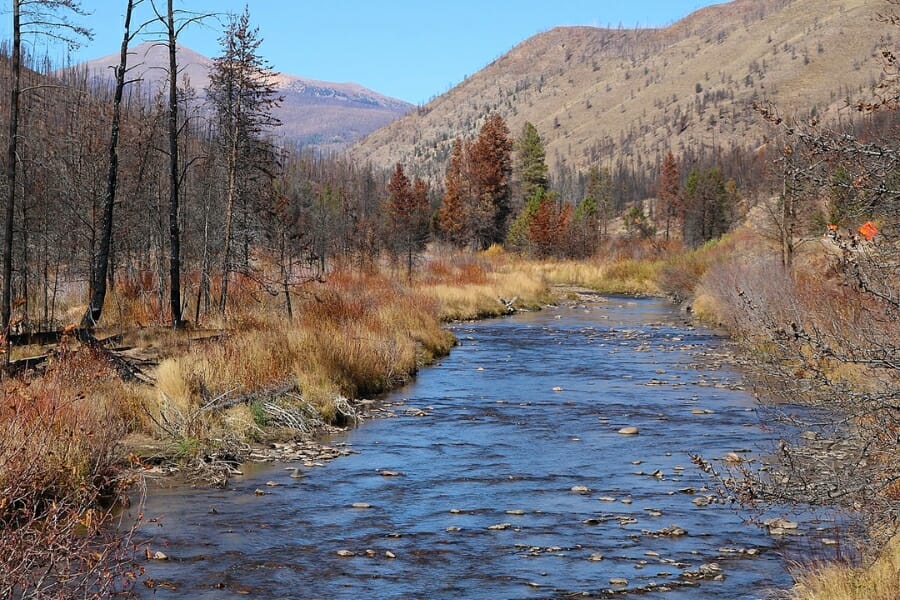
[{"x": 276, "y": 285}]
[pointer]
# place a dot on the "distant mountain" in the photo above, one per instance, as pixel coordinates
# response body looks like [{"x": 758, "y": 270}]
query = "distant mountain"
[
  {"x": 599, "y": 96},
  {"x": 314, "y": 113}
]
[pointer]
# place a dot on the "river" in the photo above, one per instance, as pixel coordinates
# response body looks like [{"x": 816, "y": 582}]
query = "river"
[{"x": 503, "y": 475}]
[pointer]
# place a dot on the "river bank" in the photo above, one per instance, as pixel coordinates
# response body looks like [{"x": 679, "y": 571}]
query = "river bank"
[
  {"x": 501, "y": 473},
  {"x": 215, "y": 403}
]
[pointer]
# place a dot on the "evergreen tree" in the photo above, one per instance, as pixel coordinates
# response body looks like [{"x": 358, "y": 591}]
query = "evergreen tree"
[
  {"x": 519, "y": 236},
  {"x": 451, "y": 220},
  {"x": 532, "y": 165},
  {"x": 708, "y": 207},
  {"x": 490, "y": 168},
  {"x": 600, "y": 191},
  {"x": 243, "y": 95},
  {"x": 670, "y": 211},
  {"x": 407, "y": 210}
]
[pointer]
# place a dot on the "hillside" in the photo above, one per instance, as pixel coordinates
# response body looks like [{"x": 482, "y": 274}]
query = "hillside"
[
  {"x": 318, "y": 113},
  {"x": 604, "y": 95}
]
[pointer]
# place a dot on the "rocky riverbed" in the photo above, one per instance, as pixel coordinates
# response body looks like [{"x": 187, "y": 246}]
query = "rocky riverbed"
[{"x": 548, "y": 457}]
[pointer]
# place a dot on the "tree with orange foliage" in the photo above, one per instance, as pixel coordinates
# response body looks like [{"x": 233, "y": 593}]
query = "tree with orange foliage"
[
  {"x": 670, "y": 211},
  {"x": 490, "y": 170},
  {"x": 408, "y": 213},
  {"x": 548, "y": 226},
  {"x": 451, "y": 221}
]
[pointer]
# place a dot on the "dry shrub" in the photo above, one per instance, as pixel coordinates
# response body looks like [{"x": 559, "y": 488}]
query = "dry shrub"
[
  {"x": 60, "y": 473},
  {"x": 683, "y": 271},
  {"x": 460, "y": 270},
  {"x": 830, "y": 581}
]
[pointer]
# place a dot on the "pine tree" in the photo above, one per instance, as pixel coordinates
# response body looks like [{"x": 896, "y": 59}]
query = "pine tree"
[
  {"x": 451, "y": 221},
  {"x": 243, "y": 96},
  {"x": 708, "y": 207},
  {"x": 532, "y": 163},
  {"x": 670, "y": 212},
  {"x": 49, "y": 18},
  {"x": 407, "y": 210},
  {"x": 490, "y": 162}
]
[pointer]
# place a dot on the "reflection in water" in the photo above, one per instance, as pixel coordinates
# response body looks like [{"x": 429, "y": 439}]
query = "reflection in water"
[{"x": 515, "y": 483}]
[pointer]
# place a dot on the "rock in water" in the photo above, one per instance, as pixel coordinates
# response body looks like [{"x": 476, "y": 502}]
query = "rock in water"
[{"x": 629, "y": 430}]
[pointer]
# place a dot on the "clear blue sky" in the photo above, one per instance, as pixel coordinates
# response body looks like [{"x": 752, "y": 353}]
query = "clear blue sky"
[{"x": 409, "y": 49}]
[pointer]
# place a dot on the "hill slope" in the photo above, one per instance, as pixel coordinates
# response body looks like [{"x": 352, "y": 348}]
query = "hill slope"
[
  {"x": 599, "y": 95},
  {"x": 316, "y": 113}
]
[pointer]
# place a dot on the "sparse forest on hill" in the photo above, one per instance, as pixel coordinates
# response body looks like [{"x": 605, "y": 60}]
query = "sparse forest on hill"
[{"x": 179, "y": 285}]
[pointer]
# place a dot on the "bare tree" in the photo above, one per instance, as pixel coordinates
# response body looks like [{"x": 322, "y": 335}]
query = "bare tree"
[
  {"x": 97, "y": 290},
  {"x": 50, "y": 18}
]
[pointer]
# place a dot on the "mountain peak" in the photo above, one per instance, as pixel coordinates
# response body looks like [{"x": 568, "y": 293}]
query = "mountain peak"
[{"x": 316, "y": 113}]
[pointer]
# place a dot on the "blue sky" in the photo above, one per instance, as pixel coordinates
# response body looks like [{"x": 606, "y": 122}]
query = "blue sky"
[{"x": 409, "y": 49}]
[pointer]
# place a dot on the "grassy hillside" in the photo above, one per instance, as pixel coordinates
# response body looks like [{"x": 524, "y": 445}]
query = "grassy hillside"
[{"x": 597, "y": 95}]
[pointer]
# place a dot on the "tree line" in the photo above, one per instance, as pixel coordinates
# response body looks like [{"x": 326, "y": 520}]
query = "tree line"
[{"x": 178, "y": 199}]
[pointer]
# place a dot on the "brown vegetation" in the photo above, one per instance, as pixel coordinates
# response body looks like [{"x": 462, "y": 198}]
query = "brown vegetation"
[{"x": 624, "y": 97}]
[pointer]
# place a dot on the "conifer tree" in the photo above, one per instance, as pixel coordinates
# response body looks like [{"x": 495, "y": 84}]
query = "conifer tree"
[
  {"x": 532, "y": 163},
  {"x": 451, "y": 221},
  {"x": 407, "y": 209},
  {"x": 490, "y": 162},
  {"x": 670, "y": 212},
  {"x": 243, "y": 95}
]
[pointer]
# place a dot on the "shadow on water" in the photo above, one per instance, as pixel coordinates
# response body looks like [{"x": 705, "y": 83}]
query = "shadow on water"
[{"x": 514, "y": 484}]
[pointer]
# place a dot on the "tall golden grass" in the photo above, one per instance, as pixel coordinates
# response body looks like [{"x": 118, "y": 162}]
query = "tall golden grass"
[{"x": 830, "y": 581}]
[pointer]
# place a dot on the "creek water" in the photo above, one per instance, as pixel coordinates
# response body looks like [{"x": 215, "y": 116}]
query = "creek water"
[{"x": 510, "y": 479}]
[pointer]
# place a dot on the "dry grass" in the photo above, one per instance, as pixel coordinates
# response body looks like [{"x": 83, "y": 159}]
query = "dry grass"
[
  {"x": 880, "y": 581},
  {"x": 622, "y": 276},
  {"x": 354, "y": 336}
]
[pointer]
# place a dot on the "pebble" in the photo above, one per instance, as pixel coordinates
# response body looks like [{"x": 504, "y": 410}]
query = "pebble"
[
  {"x": 580, "y": 489},
  {"x": 595, "y": 557},
  {"x": 618, "y": 581},
  {"x": 272, "y": 484},
  {"x": 733, "y": 458},
  {"x": 346, "y": 553},
  {"x": 389, "y": 554},
  {"x": 500, "y": 526},
  {"x": 387, "y": 473},
  {"x": 626, "y": 500},
  {"x": 517, "y": 512},
  {"x": 159, "y": 556},
  {"x": 361, "y": 505},
  {"x": 606, "y": 499},
  {"x": 631, "y": 430},
  {"x": 671, "y": 531},
  {"x": 259, "y": 492},
  {"x": 557, "y": 389}
]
